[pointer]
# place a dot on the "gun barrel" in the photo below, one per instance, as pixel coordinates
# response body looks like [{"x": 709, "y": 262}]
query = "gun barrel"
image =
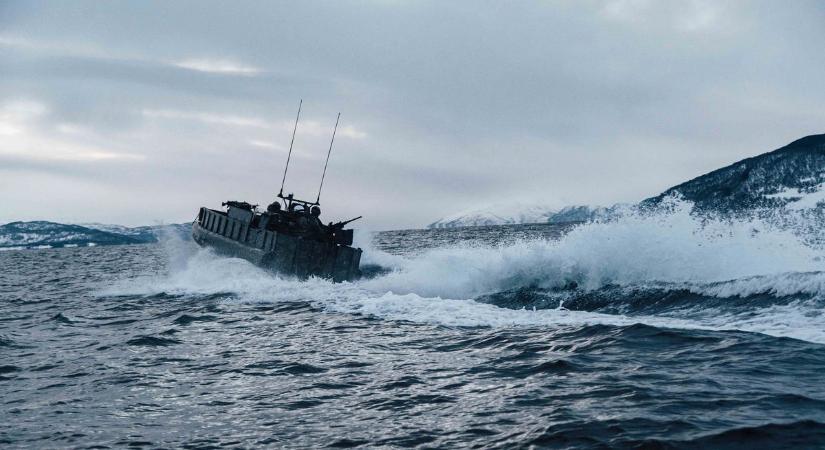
[{"x": 341, "y": 224}]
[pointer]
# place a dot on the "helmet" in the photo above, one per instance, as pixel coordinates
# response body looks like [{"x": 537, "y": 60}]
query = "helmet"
[
  {"x": 273, "y": 207},
  {"x": 315, "y": 211}
]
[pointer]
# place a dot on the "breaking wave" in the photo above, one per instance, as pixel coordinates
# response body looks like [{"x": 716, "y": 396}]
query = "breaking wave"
[
  {"x": 671, "y": 246},
  {"x": 667, "y": 269}
]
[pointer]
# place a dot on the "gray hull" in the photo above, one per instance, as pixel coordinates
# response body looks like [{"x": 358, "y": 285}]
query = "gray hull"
[{"x": 282, "y": 253}]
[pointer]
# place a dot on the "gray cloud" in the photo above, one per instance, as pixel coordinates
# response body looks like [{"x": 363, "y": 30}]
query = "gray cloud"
[{"x": 448, "y": 105}]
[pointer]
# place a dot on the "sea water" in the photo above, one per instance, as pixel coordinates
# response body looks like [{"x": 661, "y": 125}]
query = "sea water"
[{"x": 650, "y": 331}]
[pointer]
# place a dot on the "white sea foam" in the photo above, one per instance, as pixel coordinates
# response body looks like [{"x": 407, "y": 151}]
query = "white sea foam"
[
  {"x": 712, "y": 258},
  {"x": 673, "y": 247},
  {"x": 375, "y": 256}
]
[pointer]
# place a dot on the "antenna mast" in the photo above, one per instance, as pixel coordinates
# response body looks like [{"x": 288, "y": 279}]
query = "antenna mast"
[
  {"x": 318, "y": 199},
  {"x": 289, "y": 155}
]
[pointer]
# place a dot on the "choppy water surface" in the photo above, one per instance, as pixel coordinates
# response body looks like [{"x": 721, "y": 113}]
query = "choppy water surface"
[{"x": 645, "y": 333}]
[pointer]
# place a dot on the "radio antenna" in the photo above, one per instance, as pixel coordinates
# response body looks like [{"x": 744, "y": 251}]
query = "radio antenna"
[
  {"x": 289, "y": 155},
  {"x": 317, "y": 200}
]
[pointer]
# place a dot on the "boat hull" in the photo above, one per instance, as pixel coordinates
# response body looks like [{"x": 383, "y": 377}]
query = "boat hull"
[{"x": 278, "y": 252}]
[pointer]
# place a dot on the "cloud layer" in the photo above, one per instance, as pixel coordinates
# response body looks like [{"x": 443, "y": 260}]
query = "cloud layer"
[{"x": 141, "y": 112}]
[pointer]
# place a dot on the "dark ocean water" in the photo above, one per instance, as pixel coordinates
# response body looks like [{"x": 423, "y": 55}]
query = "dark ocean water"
[{"x": 628, "y": 335}]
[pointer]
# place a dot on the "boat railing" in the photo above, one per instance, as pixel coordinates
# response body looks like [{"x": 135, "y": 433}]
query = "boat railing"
[
  {"x": 291, "y": 254},
  {"x": 236, "y": 230}
]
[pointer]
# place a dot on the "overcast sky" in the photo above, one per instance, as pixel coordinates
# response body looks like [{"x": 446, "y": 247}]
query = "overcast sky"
[{"x": 140, "y": 112}]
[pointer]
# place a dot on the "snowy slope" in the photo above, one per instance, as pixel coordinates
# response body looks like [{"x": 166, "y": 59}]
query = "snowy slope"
[
  {"x": 801, "y": 198},
  {"x": 583, "y": 213},
  {"x": 144, "y": 234},
  {"x": 519, "y": 213},
  {"x": 42, "y": 234},
  {"x": 513, "y": 213},
  {"x": 792, "y": 176}
]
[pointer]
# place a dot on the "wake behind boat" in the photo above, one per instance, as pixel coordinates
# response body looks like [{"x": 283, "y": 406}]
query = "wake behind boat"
[{"x": 288, "y": 237}]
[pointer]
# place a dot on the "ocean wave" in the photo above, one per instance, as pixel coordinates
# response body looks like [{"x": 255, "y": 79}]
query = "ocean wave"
[
  {"x": 667, "y": 269},
  {"x": 671, "y": 246}
]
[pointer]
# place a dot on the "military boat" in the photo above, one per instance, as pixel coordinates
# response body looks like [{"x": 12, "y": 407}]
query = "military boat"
[{"x": 288, "y": 237}]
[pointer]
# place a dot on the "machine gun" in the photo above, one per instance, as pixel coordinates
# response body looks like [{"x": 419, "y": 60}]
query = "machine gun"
[
  {"x": 341, "y": 225},
  {"x": 339, "y": 234},
  {"x": 241, "y": 205}
]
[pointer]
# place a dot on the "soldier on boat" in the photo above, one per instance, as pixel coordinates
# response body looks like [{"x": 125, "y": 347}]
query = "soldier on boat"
[{"x": 288, "y": 237}]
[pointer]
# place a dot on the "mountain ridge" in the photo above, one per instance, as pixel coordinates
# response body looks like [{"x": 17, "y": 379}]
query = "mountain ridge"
[
  {"x": 37, "y": 234},
  {"x": 792, "y": 176},
  {"x": 761, "y": 181},
  {"x": 533, "y": 214}
]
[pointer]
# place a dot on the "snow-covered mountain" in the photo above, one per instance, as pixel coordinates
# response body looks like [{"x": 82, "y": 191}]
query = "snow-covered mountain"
[
  {"x": 42, "y": 234},
  {"x": 144, "y": 234},
  {"x": 583, "y": 213},
  {"x": 519, "y": 213},
  {"x": 791, "y": 177},
  {"x": 513, "y": 213}
]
